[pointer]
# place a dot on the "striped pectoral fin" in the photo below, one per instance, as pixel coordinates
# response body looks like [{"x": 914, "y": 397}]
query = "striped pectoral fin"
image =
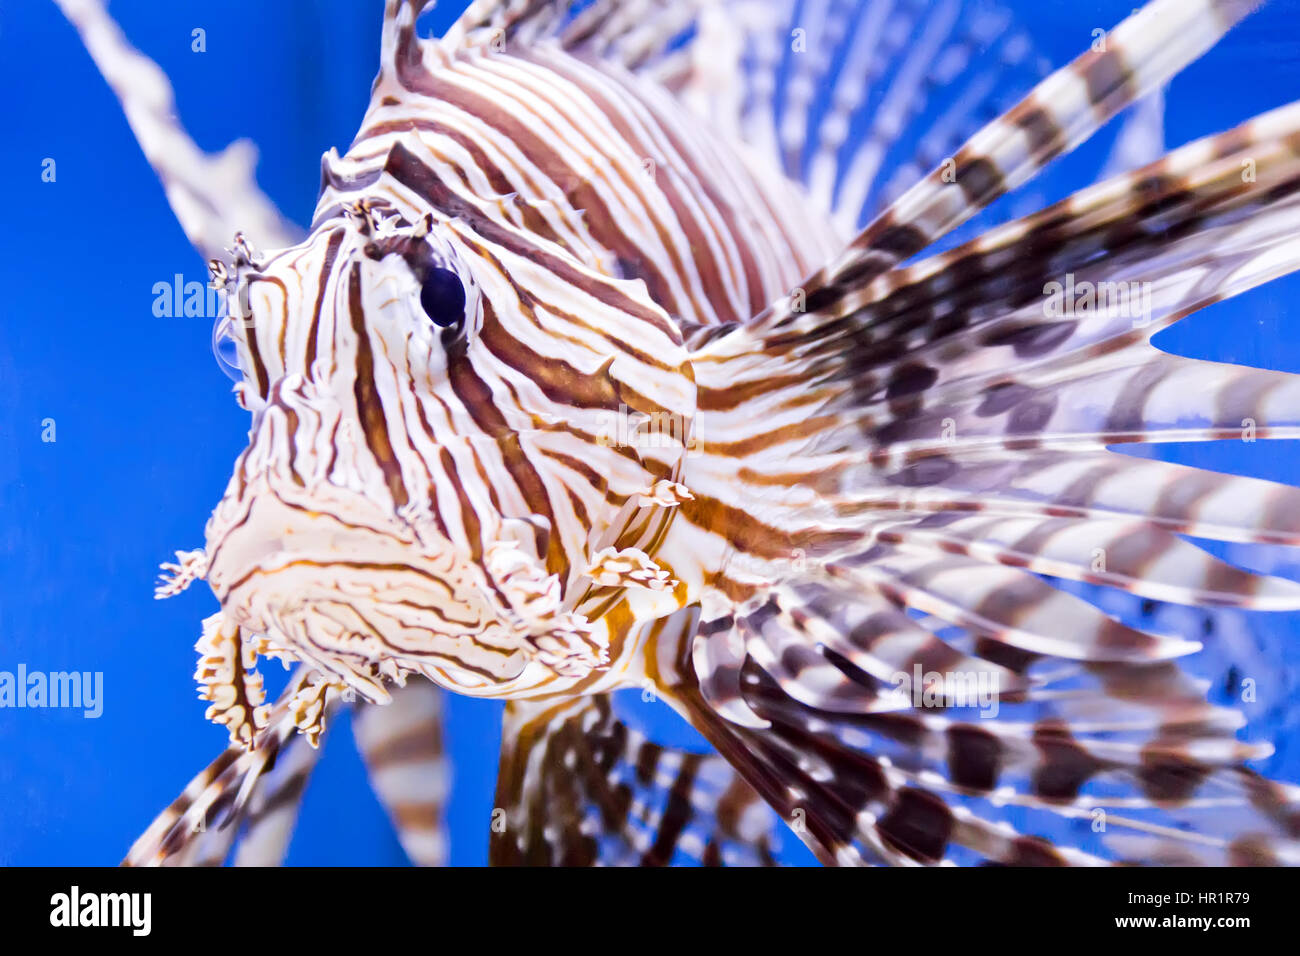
[
  {"x": 1074, "y": 291},
  {"x": 274, "y": 806},
  {"x": 1087, "y": 484},
  {"x": 1107, "y": 755},
  {"x": 1132, "y": 555},
  {"x": 818, "y": 651},
  {"x": 213, "y": 196},
  {"x": 1092, "y": 777},
  {"x": 247, "y": 796},
  {"x": 1139, "y": 395},
  {"x": 1010, "y": 605},
  {"x": 402, "y": 745},
  {"x": 578, "y": 786},
  {"x": 1060, "y": 418},
  {"x": 1043, "y": 325}
]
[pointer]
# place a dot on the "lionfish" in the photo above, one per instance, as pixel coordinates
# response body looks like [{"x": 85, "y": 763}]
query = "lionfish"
[{"x": 610, "y": 361}]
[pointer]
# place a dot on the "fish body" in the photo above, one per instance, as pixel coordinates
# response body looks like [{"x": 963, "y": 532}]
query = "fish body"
[
  {"x": 544, "y": 435},
  {"x": 585, "y": 377}
]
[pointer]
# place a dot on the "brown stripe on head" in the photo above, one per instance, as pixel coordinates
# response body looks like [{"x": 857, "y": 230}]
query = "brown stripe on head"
[{"x": 370, "y": 406}]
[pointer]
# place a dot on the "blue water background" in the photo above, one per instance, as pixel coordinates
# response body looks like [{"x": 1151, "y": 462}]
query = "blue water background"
[{"x": 147, "y": 429}]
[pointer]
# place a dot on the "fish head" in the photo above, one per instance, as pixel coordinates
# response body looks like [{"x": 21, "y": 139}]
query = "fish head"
[{"x": 433, "y": 454}]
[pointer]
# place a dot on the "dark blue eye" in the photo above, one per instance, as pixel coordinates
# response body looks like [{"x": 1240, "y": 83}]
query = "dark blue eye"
[{"x": 443, "y": 297}]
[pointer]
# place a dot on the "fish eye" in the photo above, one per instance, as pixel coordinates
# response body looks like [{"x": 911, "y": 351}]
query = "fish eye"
[{"x": 443, "y": 297}]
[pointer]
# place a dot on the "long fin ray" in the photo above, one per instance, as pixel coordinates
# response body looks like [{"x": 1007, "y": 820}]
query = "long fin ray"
[
  {"x": 401, "y": 744},
  {"x": 579, "y": 786},
  {"x": 1141, "y": 53},
  {"x": 212, "y": 196}
]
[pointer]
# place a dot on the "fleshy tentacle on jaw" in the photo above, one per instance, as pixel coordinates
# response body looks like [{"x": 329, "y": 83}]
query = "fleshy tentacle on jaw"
[{"x": 227, "y": 678}]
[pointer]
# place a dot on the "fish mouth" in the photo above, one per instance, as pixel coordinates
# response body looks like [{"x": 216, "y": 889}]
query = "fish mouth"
[
  {"x": 309, "y": 552},
  {"x": 367, "y": 598},
  {"x": 361, "y": 602}
]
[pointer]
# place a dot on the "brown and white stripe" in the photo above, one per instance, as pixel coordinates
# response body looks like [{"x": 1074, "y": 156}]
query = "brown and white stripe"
[{"x": 873, "y": 472}]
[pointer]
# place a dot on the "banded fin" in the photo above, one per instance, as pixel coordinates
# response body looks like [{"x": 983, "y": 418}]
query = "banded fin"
[
  {"x": 1140, "y": 54},
  {"x": 241, "y": 787},
  {"x": 1002, "y": 603},
  {"x": 737, "y": 65},
  {"x": 248, "y": 800},
  {"x": 274, "y": 806},
  {"x": 402, "y": 746},
  {"x": 1103, "y": 721},
  {"x": 954, "y": 368},
  {"x": 1137, "y": 225},
  {"x": 1091, "y": 485},
  {"x": 1131, "y": 743},
  {"x": 1131, "y": 555},
  {"x": 578, "y": 787},
  {"x": 212, "y": 196}
]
